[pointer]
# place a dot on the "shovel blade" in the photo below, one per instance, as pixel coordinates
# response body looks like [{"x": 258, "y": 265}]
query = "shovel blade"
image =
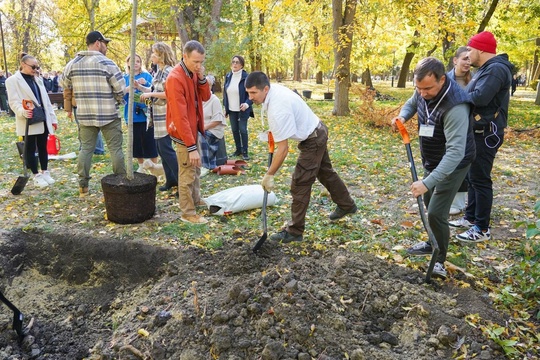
[
  {"x": 260, "y": 242},
  {"x": 19, "y": 185}
]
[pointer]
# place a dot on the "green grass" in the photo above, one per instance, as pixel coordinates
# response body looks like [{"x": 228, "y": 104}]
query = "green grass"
[{"x": 371, "y": 160}]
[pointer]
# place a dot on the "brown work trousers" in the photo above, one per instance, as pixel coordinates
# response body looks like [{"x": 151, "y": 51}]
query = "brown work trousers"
[{"x": 314, "y": 163}]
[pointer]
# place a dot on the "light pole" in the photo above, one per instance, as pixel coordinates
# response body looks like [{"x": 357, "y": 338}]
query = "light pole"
[{"x": 393, "y": 67}]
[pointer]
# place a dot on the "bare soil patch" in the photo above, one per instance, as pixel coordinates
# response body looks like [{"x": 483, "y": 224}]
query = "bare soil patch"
[{"x": 107, "y": 299}]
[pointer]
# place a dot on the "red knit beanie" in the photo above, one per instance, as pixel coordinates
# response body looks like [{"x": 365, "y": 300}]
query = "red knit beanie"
[{"x": 484, "y": 41}]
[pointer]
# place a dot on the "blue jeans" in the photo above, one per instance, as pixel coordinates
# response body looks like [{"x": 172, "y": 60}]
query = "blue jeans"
[
  {"x": 168, "y": 159},
  {"x": 480, "y": 197},
  {"x": 239, "y": 120}
]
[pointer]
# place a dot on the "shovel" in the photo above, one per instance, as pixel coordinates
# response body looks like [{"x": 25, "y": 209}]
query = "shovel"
[
  {"x": 21, "y": 181},
  {"x": 17, "y": 317},
  {"x": 265, "y": 198},
  {"x": 421, "y": 208}
]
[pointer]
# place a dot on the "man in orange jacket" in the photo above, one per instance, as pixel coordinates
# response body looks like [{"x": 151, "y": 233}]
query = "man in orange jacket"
[{"x": 186, "y": 88}]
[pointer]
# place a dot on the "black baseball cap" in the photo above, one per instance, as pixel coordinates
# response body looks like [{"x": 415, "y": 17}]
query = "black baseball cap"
[{"x": 94, "y": 36}]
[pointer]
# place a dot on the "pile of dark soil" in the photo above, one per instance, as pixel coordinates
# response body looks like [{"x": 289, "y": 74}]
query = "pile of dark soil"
[{"x": 122, "y": 299}]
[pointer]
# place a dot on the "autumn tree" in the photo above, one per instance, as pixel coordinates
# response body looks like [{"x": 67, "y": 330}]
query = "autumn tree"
[{"x": 343, "y": 13}]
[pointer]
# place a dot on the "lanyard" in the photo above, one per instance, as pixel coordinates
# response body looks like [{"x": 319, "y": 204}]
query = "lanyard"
[{"x": 436, "y": 106}]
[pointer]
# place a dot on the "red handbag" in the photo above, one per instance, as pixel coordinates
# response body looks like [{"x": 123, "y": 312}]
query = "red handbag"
[{"x": 53, "y": 145}]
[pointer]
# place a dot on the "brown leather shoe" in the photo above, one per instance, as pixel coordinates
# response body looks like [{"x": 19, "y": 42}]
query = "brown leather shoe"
[
  {"x": 194, "y": 219},
  {"x": 83, "y": 191}
]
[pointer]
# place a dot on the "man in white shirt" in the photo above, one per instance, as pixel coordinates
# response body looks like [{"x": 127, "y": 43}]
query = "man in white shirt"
[{"x": 289, "y": 117}]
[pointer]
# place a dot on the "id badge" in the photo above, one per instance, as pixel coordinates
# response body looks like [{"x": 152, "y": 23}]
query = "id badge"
[{"x": 426, "y": 130}]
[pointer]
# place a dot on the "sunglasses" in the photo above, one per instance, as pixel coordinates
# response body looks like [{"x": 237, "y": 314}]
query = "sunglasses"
[
  {"x": 34, "y": 67},
  {"x": 235, "y": 62}
]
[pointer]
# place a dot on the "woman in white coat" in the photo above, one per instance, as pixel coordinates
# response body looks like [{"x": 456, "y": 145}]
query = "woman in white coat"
[{"x": 26, "y": 84}]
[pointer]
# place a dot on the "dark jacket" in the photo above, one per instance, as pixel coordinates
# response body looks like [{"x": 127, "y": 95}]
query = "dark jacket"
[
  {"x": 489, "y": 91},
  {"x": 244, "y": 97},
  {"x": 433, "y": 148},
  {"x": 48, "y": 84},
  {"x": 3, "y": 85}
]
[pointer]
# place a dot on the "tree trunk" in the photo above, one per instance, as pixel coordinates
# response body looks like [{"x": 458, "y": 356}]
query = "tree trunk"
[
  {"x": 343, "y": 31},
  {"x": 211, "y": 29},
  {"x": 407, "y": 61},
  {"x": 487, "y": 17},
  {"x": 319, "y": 77},
  {"x": 298, "y": 55},
  {"x": 366, "y": 78}
]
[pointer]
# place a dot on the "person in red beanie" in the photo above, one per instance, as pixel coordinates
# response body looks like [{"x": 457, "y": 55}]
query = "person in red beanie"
[{"x": 489, "y": 91}]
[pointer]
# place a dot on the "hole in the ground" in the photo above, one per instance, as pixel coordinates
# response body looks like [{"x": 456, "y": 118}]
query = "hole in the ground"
[{"x": 68, "y": 287}]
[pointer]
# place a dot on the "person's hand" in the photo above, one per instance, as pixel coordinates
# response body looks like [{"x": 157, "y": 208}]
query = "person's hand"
[
  {"x": 200, "y": 74},
  {"x": 244, "y": 107},
  {"x": 145, "y": 96},
  {"x": 418, "y": 188},
  {"x": 195, "y": 158},
  {"x": 70, "y": 115},
  {"x": 268, "y": 182},
  {"x": 55, "y": 126},
  {"x": 397, "y": 118},
  {"x": 28, "y": 113}
]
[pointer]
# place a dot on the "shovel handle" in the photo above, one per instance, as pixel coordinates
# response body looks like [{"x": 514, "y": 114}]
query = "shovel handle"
[
  {"x": 270, "y": 143},
  {"x": 28, "y": 104},
  {"x": 403, "y": 131}
]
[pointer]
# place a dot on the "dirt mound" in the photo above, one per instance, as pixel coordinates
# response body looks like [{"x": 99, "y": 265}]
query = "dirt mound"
[{"x": 110, "y": 301}]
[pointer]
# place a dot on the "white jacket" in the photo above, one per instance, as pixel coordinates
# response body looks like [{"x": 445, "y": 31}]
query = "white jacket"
[{"x": 17, "y": 90}]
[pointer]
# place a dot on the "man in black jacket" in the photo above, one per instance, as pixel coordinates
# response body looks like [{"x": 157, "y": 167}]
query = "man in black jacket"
[{"x": 489, "y": 91}]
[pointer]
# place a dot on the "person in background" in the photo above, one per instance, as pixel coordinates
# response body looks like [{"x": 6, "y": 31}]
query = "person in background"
[
  {"x": 186, "y": 88},
  {"x": 26, "y": 84},
  {"x": 446, "y": 145},
  {"x": 3, "y": 93},
  {"x": 514, "y": 84},
  {"x": 489, "y": 91},
  {"x": 47, "y": 81},
  {"x": 164, "y": 60},
  {"x": 289, "y": 117},
  {"x": 461, "y": 73},
  {"x": 214, "y": 131},
  {"x": 54, "y": 78},
  {"x": 144, "y": 145},
  {"x": 98, "y": 86},
  {"x": 70, "y": 106},
  {"x": 237, "y": 105}
]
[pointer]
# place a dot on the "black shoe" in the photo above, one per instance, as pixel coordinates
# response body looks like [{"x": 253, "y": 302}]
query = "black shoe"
[
  {"x": 286, "y": 237},
  {"x": 245, "y": 156},
  {"x": 236, "y": 153},
  {"x": 422, "y": 248},
  {"x": 166, "y": 187},
  {"x": 339, "y": 213}
]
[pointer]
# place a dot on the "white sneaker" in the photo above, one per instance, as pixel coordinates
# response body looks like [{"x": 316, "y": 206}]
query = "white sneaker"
[
  {"x": 141, "y": 170},
  {"x": 47, "y": 176},
  {"x": 474, "y": 235},
  {"x": 439, "y": 271},
  {"x": 147, "y": 164},
  {"x": 39, "y": 181},
  {"x": 454, "y": 211},
  {"x": 204, "y": 171},
  {"x": 461, "y": 223}
]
